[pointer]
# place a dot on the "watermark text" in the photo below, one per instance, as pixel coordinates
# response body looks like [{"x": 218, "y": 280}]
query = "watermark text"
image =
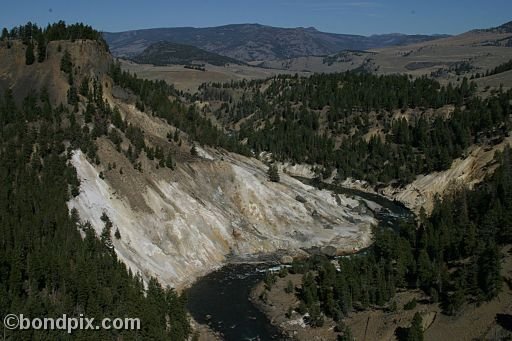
[{"x": 69, "y": 324}]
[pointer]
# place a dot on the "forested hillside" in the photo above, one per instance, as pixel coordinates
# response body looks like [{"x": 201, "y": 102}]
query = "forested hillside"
[
  {"x": 51, "y": 262},
  {"x": 376, "y": 128}
]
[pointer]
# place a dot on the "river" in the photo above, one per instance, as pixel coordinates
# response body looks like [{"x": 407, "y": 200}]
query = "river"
[{"x": 221, "y": 298}]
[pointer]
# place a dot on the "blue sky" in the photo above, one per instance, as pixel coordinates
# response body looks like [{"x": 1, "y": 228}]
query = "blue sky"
[{"x": 339, "y": 16}]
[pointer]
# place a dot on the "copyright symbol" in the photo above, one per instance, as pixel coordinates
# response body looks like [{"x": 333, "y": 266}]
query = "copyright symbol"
[{"x": 11, "y": 321}]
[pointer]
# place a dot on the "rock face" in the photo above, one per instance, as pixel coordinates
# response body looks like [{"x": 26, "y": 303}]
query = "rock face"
[{"x": 184, "y": 227}]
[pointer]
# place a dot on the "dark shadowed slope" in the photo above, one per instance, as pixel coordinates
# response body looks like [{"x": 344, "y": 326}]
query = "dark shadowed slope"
[{"x": 167, "y": 53}]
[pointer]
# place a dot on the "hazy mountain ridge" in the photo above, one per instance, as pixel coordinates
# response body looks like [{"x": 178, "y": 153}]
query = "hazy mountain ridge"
[
  {"x": 505, "y": 28},
  {"x": 249, "y": 42}
]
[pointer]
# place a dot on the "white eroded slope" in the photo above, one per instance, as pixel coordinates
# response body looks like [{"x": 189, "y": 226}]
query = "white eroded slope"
[{"x": 214, "y": 208}]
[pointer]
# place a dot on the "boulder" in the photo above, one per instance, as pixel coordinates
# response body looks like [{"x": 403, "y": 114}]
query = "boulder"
[{"x": 301, "y": 199}]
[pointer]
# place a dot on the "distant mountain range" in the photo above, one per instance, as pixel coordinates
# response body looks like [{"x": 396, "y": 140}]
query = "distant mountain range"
[
  {"x": 167, "y": 53},
  {"x": 254, "y": 42}
]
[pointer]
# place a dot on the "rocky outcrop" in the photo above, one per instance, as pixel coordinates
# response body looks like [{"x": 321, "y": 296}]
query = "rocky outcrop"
[{"x": 422, "y": 192}]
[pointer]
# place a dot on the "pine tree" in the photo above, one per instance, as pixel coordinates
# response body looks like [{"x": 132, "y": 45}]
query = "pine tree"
[
  {"x": 346, "y": 334},
  {"x": 66, "y": 64},
  {"x": 424, "y": 269},
  {"x": 41, "y": 48},
  {"x": 316, "y": 316},
  {"x": 169, "y": 162},
  {"x": 29, "y": 54},
  {"x": 150, "y": 153},
  {"x": 5, "y": 34},
  {"x": 193, "y": 151},
  {"x": 489, "y": 277},
  {"x": 415, "y": 332},
  {"x": 273, "y": 173},
  {"x": 106, "y": 233},
  {"x": 289, "y": 287},
  {"x": 84, "y": 90},
  {"x": 72, "y": 96}
]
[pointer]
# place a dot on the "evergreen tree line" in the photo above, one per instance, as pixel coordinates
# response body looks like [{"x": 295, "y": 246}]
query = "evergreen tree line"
[
  {"x": 453, "y": 255},
  {"x": 47, "y": 268},
  {"x": 56, "y": 31},
  {"x": 347, "y": 92},
  {"x": 344, "y": 92}
]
